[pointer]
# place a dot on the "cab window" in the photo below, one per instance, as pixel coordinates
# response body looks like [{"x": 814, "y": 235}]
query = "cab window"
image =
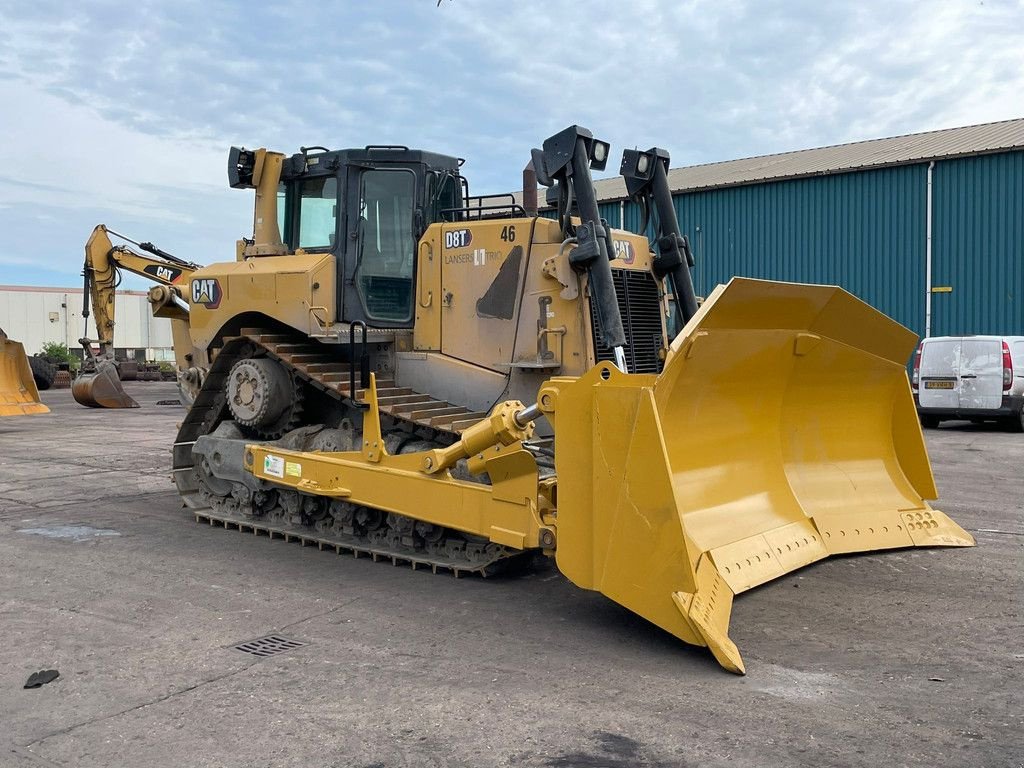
[
  {"x": 384, "y": 272},
  {"x": 282, "y": 211},
  {"x": 442, "y": 195},
  {"x": 318, "y": 212}
]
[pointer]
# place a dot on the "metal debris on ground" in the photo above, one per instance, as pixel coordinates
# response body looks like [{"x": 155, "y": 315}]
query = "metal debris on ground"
[{"x": 41, "y": 678}]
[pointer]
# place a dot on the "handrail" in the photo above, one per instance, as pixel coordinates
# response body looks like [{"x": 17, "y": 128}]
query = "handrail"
[
  {"x": 364, "y": 364},
  {"x": 419, "y": 276}
]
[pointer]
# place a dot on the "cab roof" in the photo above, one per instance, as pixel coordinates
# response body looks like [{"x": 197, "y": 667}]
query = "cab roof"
[{"x": 317, "y": 160}]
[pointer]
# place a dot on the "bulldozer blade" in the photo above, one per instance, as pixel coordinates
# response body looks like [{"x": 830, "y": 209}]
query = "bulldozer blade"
[
  {"x": 781, "y": 430},
  {"x": 101, "y": 389},
  {"x": 18, "y": 393}
]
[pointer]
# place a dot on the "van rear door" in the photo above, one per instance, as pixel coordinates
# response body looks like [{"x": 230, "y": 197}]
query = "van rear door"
[
  {"x": 981, "y": 373},
  {"x": 939, "y": 374}
]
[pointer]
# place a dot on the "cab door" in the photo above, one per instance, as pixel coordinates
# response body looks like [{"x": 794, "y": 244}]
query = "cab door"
[
  {"x": 380, "y": 268},
  {"x": 981, "y": 374}
]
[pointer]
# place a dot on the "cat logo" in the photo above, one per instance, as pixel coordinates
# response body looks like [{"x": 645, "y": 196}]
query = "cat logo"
[
  {"x": 160, "y": 272},
  {"x": 624, "y": 250},
  {"x": 206, "y": 291}
]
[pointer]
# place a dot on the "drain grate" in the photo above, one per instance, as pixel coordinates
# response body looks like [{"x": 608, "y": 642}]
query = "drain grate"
[{"x": 271, "y": 645}]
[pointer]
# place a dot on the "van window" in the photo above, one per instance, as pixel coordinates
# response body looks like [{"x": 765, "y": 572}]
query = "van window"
[
  {"x": 1017, "y": 354},
  {"x": 981, "y": 356},
  {"x": 941, "y": 358}
]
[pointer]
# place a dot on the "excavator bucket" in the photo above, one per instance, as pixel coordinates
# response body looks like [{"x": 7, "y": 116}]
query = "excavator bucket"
[
  {"x": 101, "y": 389},
  {"x": 18, "y": 393},
  {"x": 782, "y": 430}
]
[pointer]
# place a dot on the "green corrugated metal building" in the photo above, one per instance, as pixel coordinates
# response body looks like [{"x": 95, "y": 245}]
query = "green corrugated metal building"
[{"x": 928, "y": 227}]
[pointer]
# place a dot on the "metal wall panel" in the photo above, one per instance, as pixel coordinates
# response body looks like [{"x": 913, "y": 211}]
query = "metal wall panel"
[
  {"x": 610, "y": 212},
  {"x": 978, "y": 245},
  {"x": 35, "y": 316},
  {"x": 864, "y": 231}
]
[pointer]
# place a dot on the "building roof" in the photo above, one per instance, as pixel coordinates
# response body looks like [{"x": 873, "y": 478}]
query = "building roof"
[{"x": 986, "y": 138}]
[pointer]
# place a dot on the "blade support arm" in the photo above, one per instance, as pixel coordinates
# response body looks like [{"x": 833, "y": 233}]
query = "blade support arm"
[
  {"x": 505, "y": 512},
  {"x": 566, "y": 160},
  {"x": 646, "y": 177}
]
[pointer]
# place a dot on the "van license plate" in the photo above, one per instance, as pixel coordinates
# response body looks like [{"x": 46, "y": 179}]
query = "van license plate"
[{"x": 939, "y": 384}]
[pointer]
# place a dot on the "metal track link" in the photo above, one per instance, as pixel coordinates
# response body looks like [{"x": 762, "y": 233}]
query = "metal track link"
[{"x": 308, "y": 538}]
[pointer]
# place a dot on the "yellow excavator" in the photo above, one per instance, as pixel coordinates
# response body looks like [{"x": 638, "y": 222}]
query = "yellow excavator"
[
  {"x": 19, "y": 395},
  {"x": 99, "y": 385},
  {"x": 395, "y": 368}
]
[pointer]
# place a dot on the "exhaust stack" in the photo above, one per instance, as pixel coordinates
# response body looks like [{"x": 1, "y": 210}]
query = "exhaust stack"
[{"x": 530, "y": 190}]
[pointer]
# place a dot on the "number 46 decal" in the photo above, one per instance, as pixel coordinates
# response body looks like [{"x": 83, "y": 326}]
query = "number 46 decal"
[{"x": 508, "y": 234}]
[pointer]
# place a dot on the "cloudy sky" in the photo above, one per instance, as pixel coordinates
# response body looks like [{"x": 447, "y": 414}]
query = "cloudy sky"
[{"x": 122, "y": 112}]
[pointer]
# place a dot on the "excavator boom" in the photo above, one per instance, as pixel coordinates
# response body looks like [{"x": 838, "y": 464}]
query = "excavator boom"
[{"x": 99, "y": 386}]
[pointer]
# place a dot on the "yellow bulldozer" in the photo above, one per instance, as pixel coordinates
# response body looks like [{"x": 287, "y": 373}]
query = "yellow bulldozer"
[
  {"x": 398, "y": 369},
  {"x": 19, "y": 395}
]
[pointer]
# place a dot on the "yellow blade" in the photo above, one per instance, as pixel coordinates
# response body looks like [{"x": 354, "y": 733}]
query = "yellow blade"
[
  {"x": 781, "y": 431},
  {"x": 101, "y": 389},
  {"x": 18, "y": 393}
]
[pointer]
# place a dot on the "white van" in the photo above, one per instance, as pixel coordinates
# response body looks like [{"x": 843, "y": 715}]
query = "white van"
[{"x": 979, "y": 378}]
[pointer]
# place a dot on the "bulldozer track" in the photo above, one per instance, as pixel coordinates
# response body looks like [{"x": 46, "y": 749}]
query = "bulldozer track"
[
  {"x": 308, "y": 538},
  {"x": 315, "y": 366}
]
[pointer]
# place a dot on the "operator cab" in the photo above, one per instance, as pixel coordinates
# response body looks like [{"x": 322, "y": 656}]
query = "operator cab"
[{"x": 368, "y": 207}]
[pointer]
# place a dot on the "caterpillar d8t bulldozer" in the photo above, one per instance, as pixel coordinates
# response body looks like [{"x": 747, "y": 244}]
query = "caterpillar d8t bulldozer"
[{"x": 400, "y": 370}]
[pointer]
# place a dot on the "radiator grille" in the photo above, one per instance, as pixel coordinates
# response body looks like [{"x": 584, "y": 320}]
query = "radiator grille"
[{"x": 638, "y": 295}]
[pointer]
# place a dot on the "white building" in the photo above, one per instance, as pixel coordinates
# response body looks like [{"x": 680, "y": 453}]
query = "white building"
[{"x": 35, "y": 316}]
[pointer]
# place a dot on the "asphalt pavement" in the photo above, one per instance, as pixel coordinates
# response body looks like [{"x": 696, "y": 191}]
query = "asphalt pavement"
[{"x": 900, "y": 658}]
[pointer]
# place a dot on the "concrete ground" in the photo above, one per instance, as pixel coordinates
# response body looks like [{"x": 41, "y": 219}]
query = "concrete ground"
[{"x": 909, "y": 658}]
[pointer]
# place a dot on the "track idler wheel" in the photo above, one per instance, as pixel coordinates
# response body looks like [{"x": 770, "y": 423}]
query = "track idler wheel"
[{"x": 262, "y": 396}]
